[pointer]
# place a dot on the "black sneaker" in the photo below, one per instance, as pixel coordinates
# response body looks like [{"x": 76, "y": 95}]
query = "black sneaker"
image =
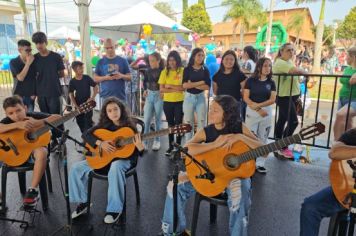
[
  {"x": 169, "y": 151},
  {"x": 261, "y": 169},
  {"x": 111, "y": 217},
  {"x": 31, "y": 197},
  {"x": 81, "y": 209}
]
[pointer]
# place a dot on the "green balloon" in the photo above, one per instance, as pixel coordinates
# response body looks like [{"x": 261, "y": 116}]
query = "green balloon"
[
  {"x": 94, "y": 60},
  {"x": 121, "y": 42}
]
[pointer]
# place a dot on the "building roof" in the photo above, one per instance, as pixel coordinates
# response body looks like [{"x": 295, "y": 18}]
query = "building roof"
[
  {"x": 14, "y": 7},
  {"x": 226, "y": 28}
]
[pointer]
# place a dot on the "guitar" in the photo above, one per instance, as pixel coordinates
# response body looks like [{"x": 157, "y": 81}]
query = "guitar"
[
  {"x": 17, "y": 145},
  {"x": 238, "y": 162},
  {"x": 342, "y": 181},
  {"x": 123, "y": 141}
]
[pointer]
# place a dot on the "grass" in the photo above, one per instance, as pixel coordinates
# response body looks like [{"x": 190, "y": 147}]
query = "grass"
[
  {"x": 327, "y": 89},
  {"x": 5, "y": 77}
]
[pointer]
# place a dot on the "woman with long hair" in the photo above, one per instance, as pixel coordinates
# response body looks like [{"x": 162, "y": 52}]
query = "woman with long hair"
[
  {"x": 288, "y": 92},
  {"x": 249, "y": 57},
  {"x": 170, "y": 82},
  {"x": 196, "y": 79},
  {"x": 259, "y": 95},
  {"x": 223, "y": 130},
  {"x": 229, "y": 80}
]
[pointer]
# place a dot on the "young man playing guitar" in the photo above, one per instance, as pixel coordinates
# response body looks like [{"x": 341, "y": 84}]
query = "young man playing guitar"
[
  {"x": 325, "y": 203},
  {"x": 17, "y": 117},
  {"x": 224, "y": 130}
]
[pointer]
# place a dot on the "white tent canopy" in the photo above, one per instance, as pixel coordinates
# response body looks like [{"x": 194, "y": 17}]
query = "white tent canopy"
[
  {"x": 129, "y": 22},
  {"x": 64, "y": 33}
]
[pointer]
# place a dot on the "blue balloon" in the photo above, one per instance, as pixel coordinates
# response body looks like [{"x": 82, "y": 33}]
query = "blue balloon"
[
  {"x": 210, "y": 59},
  {"x": 210, "y": 46},
  {"x": 5, "y": 64},
  {"x": 213, "y": 68},
  {"x": 4, "y": 56}
]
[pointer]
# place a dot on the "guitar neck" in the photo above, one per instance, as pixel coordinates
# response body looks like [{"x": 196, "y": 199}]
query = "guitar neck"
[
  {"x": 265, "y": 149},
  {"x": 55, "y": 123},
  {"x": 145, "y": 136}
]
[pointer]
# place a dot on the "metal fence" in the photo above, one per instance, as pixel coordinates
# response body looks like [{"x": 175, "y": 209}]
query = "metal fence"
[{"x": 322, "y": 110}]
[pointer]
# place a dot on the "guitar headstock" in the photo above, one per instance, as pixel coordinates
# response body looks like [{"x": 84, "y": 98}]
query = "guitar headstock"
[
  {"x": 87, "y": 106},
  {"x": 312, "y": 131},
  {"x": 180, "y": 129}
]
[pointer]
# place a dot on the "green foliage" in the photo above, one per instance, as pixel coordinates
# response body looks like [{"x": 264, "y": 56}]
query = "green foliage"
[
  {"x": 327, "y": 34},
  {"x": 202, "y": 2},
  {"x": 185, "y": 5},
  {"x": 166, "y": 9},
  {"x": 197, "y": 19},
  {"x": 347, "y": 29}
]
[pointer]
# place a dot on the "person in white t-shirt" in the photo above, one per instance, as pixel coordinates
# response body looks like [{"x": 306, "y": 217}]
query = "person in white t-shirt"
[{"x": 249, "y": 56}]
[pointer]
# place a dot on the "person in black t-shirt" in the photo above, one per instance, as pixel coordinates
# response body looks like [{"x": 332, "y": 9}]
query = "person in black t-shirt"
[
  {"x": 49, "y": 68},
  {"x": 229, "y": 80},
  {"x": 259, "y": 95},
  {"x": 196, "y": 79},
  {"x": 223, "y": 131},
  {"x": 17, "y": 117},
  {"x": 324, "y": 203},
  {"x": 24, "y": 74},
  {"x": 79, "y": 93}
]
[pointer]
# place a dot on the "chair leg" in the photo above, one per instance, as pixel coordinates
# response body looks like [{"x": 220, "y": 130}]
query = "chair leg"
[
  {"x": 195, "y": 213},
  {"x": 122, "y": 218},
  {"x": 22, "y": 182},
  {"x": 90, "y": 184},
  {"x": 213, "y": 213},
  {"x": 333, "y": 225},
  {"x": 44, "y": 193},
  {"x": 137, "y": 189},
  {"x": 3, "y": 188},
  {"x": 49, "y": 178}
]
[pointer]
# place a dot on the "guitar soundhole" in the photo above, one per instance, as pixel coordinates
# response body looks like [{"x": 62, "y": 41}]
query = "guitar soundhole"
[
  {"x": 30, "y": 137},
  {"x": 118, "y": 143},
  {"x": 231, "y": 162}
]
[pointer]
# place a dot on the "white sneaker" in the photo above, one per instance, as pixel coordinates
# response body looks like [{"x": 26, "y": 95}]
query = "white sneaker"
[
  {"x": 156, "y": 145},
  {"x": 111, "y": 217}
]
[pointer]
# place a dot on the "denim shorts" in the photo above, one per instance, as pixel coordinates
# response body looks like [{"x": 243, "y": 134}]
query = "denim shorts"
[{"x": 345, "y": 101}]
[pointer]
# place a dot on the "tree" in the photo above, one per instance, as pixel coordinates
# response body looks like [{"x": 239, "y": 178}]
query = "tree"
[
  {"x": 38, "y": 15},
  {"x": 319, "y": 34},
  {"x": 197, "y": 19},
  {"x": 202, "y": 2},
  {"x": 166, "y": 9},
  {"x": 295, "y": 23},
  {"x": 25, "y": 18},
  {"x": 185, "y": 5},
  {"x": 346, "y": 31},
  {"x": 244, "y": 13}
]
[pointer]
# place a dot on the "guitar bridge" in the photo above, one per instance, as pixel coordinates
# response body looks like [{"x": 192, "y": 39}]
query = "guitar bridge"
[{"x": 12, "y": 146}]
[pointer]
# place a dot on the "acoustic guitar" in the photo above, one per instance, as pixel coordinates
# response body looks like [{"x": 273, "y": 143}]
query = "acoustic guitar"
[
  {"x": 17, "y": 145},
  {"x": 123, "y": 141},
  {"x": 342, "y": 181},
  {"x": 238, "y": 162}
]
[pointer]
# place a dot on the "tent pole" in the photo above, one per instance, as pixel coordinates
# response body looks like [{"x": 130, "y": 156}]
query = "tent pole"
[{"x": 83, "y": 8}]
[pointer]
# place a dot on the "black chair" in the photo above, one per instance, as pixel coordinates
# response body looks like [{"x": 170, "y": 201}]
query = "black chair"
[
  {"x": 21, "y": 171},
  {"x": 338, "y": 225},
  {"x": 214, "y": 202},
  {"x": 130, "y": 172}
]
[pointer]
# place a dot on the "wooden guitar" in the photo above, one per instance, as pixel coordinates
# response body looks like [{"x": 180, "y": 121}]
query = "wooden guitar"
[
  {"x": 123, "y": 141},
  {"x": 342, "y": 181},
  {"x": 17, "y": 145},
  {"x": 239, "y": 162}
]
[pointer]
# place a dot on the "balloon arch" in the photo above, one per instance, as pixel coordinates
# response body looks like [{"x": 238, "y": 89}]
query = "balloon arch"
[{"x": 279, "y": 37}]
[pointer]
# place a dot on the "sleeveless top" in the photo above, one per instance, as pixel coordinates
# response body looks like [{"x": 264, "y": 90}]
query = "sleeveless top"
[{"x": 211, "y": 133}]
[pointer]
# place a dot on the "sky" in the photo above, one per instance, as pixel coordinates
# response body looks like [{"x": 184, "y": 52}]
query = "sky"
[{"x": 64, "y": 12}]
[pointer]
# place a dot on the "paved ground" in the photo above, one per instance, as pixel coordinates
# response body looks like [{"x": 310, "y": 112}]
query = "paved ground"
[{"x": 275, "y": 209}]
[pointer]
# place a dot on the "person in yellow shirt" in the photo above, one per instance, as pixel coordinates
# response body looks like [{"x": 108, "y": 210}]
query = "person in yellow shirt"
[{"x": 170, "y": 82}]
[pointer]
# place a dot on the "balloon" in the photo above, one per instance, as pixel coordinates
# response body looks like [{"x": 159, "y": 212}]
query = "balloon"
[
  {"x": 210, "y": 46},
  {"x": 196, "y": 37},
  {"x": 213, "y": 68},
  {"x": 210, "y": 59},
  {"x": 175, "y": 27},
  {"x": 152, "y": 42},
  {"x": 94, "y": 60},
  {"x": 121, "y": 42},
  {"x": 5, "y": 64},
  {"x": 147, "y": 29}
]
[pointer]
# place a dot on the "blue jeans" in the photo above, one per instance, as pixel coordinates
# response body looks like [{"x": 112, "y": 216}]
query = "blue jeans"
[
  {"x": 153, "y": 106},
  {"x": 78, "y": 184},
  {"x": 239, "y": 203},
  {"x": 315, "y": 208},
  {"x": 29, "y": 102},
  {"x": 194, "y": 103},
  {"x": 345, "y": 102}
]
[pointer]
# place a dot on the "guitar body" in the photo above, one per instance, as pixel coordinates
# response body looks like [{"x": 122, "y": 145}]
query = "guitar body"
[
  {"x": 97, "y": 161},
  {"x": 341, "y": 180},
  {"x": 24, "y": 146},
  {"x": 215, "y": 160}
]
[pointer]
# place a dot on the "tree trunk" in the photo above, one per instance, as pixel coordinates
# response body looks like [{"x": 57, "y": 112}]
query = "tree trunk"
[
  {"x": 319, "y": 39},
  {"x": 38, "y": 15},
  {"x": 202, "y": 2},
  {"x": 242, "y": 34},
  {"x": 24, "y": 18},
  {"x": 185, "y": 5}
]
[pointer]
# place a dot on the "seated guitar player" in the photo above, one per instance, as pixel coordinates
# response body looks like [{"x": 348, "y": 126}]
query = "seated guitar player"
[
  {"x": 113, "y": 116},
  {"x": 17, "y": 117},
  {"x": 224, "y": 130},
  {"x": 324, "y": 203}
]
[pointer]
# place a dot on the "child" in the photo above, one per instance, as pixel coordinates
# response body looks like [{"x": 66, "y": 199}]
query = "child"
[
  {"x": 113, "y": 116},
  {"x": 17, "y": 117},
  {"x": 304, "y": 83},
  {"x": 81, "y": 84},
  {"x": 224, "y": 130}
]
